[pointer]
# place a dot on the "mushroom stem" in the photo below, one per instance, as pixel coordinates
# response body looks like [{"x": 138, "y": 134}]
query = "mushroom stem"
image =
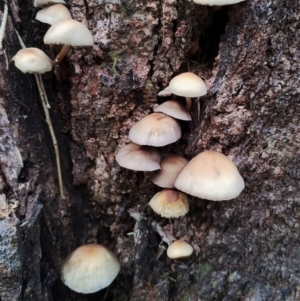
[
  {"x": 188, "y": 103},
  {"x": 198, "y": 109},
  {"x": 44, "y": 100},
  {"x": 64, "y": 50}
]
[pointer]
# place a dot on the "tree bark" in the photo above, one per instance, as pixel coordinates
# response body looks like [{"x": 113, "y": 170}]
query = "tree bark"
[{"x": 244, "y": 249}]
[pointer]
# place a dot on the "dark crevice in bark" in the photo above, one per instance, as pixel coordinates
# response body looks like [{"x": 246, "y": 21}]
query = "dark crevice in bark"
[{"x": 209, "y": 40}]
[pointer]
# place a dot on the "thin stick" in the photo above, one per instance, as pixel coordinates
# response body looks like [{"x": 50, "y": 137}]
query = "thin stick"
[
  {"x": 44, "y": 91},
  {"x": 38, "y": 79},
  {"x": 3, "y": 24},
  {"x": 45, "y": 104}
]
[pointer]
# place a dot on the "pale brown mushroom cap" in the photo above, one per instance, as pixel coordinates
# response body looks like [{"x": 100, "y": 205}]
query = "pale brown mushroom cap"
[
  {"x": 89, "y": 269},
  {"x": 156, "y": 129},
  {"x": 171, "y": 166},
  {"x": 217, "y": 2},
  {"x": 140, "y": 158},
  {"x": 43, "y": 3},
  {"x": 179, "y": 249},
  {"x": 32, "y": 60},
  {"x": 174, "y": 109},
  {"x": 187, "y": 84},
  {"x": 170, "y": 203},
  {"x": 69, "y": 32},
  {"x": 212, "y": 176},
  {"x": 53, "y": 14}
]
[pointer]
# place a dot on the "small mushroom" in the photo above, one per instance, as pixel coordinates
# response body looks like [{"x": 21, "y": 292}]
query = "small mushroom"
[
  {"x": 156, "y": 129},
  {"x": 174, "y": 109},
  {"x": 165, "y": 92},
  {"x": 170, "y": 203},
  {"x": 68, "y": 32},
  {"x": 188, "y": 85},
  {"x": 171, "y": 166},
  {"x": 32, "y": 60},
  {"x": 217, "y": 2},
  {"x": 179, "y": 249},
  {"x": 137, "y": 157},
  {"x": 89, "y": 269},
  {"x": 212, "y": 176},
  {"x": 53, "y": 14}
]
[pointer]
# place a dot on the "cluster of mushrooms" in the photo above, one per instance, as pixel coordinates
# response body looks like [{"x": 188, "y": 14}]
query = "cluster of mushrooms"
[
  {"x": 210, "y": 175},
  {"x": 63, "y": 31}
]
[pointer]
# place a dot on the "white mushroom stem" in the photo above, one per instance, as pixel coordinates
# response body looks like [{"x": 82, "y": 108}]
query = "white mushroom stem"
[
  {"x": 64, "y": 50},
  {"x": 43, "y": 96},
  {"x": 188, "y": 104},
  {"x": 3, "y": 24}
]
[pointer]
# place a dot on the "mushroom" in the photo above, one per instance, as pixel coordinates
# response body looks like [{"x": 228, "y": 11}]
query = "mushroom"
[
  {"x": 179, "y": 249},
  {"x": 174, "y": 109},
  {"x": 170, "y": 203},
  {"x": 171, "y": 166},
  {"x": 165, "y": 92},
  {"x": 68, "y": 32},
  {"x": 187, "y": 85},
  {"x": 137, "y": 157},
  {"x": 89, "y": 269},
  {"x": 32, "y": 60},
  {"x": 42, "y": 3},
  {"x": 212, "y": 176},
  {"x": 156, "y": 129},
  {"x": 217, "y": 2},
  {"x": 53, "y": 14}
]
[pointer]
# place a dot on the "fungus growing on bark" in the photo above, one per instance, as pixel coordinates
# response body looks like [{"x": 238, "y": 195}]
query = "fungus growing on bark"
[
  {"x": 217, "y": 2},
  {"x": 68, "y": 32},
  {"x": 43, "y": 3},
  {"x": 174, "y": 109},
  {"x": 170, "y": 203},
  {"x": 89, "y": 269},
  {"x": 156, "y": 129},
  {"x": 32, "y": 60},
  {"x": 171, "y": 166},
  {"x": 53, "y": 14},
  {"x": 137, "y": 157},
  {"x": 212, "y": 176},
  {"x": 179, "y": 249},
  {"x": 188, "y": 85}
]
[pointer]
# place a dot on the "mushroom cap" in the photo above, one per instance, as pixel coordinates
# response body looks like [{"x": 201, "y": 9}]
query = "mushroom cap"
[
  {"x": 137, "y": 157},
  {"x": 179, "y": 249},
  {"x": 53, "y": 14},
  {"x": 212, "y": 176},
  {"x": 156, "y": 129},
  {"x": 217, "y": 2},
  {"x": 171, "y": 166},
  {"x": 42, "y": 3},
  {"x": 32, "y": 60},
  {"x": 165, "y": 92},
  {"x": 170, "y": 203},
  {"x": 187, "y": 84},
  {"x": 89, "y": 269},
  {"x": 69, "y": 32},
  {"x": 174, "y": 109}
]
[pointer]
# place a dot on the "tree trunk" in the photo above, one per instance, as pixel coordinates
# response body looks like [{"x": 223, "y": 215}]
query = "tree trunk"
[{"x": 245, "y": 249}]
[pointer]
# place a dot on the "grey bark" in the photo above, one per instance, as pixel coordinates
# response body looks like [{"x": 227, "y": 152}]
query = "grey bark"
[{"x": 245, "y": 249}]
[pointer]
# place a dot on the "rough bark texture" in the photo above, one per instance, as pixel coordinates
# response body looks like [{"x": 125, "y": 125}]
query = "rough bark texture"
[{"x": 245, "y": 249}]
